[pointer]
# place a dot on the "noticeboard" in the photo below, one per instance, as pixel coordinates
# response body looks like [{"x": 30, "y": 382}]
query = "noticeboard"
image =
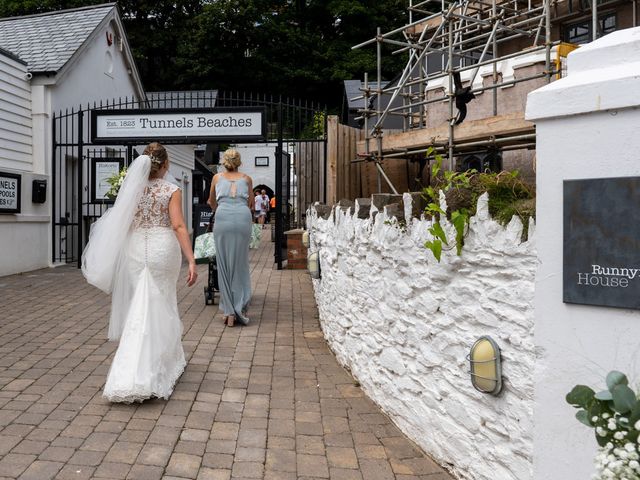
[
  {"x": 601, "y": 255},
  {"x": 102, "y": 168},
  {"x": 202, "y": 215}
]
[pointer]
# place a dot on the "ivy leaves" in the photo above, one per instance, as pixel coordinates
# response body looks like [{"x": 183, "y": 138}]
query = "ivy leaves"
[{"x": 459, "y": 217}]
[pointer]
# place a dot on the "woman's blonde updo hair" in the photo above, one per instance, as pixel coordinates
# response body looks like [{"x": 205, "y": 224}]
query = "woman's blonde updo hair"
[
  {"x": 159, "y": 157},
  {"x": 231, "y": 159}
]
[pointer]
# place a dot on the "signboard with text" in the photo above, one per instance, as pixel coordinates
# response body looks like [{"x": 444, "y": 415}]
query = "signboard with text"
[
  {"x": 601, "y": 258},
  {"x": 101, "y": 170},
  {"x": 178, "y": 125},
  {"x": 10, "y": 192}
]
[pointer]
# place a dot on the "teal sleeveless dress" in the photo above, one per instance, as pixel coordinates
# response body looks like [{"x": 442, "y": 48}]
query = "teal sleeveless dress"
[{"x": 232, "y": 232}]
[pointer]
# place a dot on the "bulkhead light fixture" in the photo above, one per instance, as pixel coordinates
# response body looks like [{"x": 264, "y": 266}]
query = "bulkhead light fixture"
[
  {"x": 313, "y": 265},
  {"x": 486, "y": 367}
]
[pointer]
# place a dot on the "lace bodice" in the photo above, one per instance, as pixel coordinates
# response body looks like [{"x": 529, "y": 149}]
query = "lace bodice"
[{"x": 153, "y": 208}]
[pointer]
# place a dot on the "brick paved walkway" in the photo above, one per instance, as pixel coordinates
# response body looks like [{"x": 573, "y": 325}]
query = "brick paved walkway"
[{"x": 265, "y": 401}]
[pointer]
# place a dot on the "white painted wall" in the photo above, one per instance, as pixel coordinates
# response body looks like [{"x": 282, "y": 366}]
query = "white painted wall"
[
  {"x": 24, "y": 237},
  {"x": 260, "y": 175},
  {"x": 404, "y": 323},
  {"x": 100, "y": 72},
  {"x": 16, "y": 150},
  {"x": 587, "y": 126},
  {"x": 181, "y": 164}
]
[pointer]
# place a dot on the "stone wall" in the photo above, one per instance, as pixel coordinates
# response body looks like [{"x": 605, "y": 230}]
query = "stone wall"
[{"x": 403, "y": 324}]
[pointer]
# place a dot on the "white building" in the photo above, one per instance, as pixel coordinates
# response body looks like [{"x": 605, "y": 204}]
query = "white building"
[
  {"x": 51, "y": 63},
  {"x": 259, "y": 162}
]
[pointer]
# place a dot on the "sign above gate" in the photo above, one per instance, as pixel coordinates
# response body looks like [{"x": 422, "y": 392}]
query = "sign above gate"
[{"x": 178, "y": 125}]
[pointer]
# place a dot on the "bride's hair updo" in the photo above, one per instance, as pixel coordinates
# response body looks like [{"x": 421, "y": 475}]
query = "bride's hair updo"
[
  {"x": 231, "y": 159},
  {"x": 159, "y": 156}
]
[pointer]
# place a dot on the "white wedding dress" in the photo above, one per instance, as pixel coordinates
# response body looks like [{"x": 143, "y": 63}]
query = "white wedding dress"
[{"x": 150, "y": 358}]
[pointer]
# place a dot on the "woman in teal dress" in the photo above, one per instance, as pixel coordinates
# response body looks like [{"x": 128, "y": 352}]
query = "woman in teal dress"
[{"x": 232, "y": 203}]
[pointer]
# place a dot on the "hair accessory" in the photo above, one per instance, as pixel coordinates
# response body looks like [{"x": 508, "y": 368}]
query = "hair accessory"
[{"x": 155, "y": 160}]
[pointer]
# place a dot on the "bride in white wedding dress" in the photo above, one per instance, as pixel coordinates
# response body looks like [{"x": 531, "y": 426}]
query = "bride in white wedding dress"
[{"x": 134, "y": 253}]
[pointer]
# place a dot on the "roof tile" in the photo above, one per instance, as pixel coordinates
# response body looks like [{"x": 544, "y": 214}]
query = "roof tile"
[{"x": 47, "y": 41}]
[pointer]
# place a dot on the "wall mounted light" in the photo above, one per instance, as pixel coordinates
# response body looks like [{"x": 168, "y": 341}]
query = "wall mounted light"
[
  {"x": 486, "y": 366},
  {"x": 305, "y": 239},
  {"x": 313, "y": 265}
]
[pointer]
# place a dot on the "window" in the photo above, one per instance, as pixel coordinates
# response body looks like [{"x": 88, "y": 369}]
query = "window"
[{"x": 581, "y": 32}]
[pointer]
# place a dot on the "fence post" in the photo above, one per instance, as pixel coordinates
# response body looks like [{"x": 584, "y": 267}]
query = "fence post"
[
  {"x": 279, "y": 196},
  {"x": 80, "y": 182},
  {"x": 332, "y": 159}
]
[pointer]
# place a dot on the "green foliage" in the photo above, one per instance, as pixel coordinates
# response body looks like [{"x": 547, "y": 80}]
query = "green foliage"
[
  {"x": 616, "y": 409},
  {"x": 508, "y": 196},
  {"x": 315, "y": 128},
  {"x": 297, "y": 49}
]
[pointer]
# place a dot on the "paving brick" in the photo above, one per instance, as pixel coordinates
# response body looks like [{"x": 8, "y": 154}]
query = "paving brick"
[
  {"x": 342, "y": 457},
  {"x": 157, "y": 455},
  {"x": 41, "y": 470},
  {"x": 265, "y": 401},
  {"x": 281, "y": 460},
  {"x": 247, "y": 470},
  {"x": 112, "y": 470},
  {"x": 13, "y": 464},
  {"x": 312, "y": 465},
  {"x": 183, "y": 465},
  {"x": 145, "y": 472}
]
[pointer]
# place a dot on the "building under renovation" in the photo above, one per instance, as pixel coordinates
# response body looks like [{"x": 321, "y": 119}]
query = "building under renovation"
[{"x": 464, "y": 88}]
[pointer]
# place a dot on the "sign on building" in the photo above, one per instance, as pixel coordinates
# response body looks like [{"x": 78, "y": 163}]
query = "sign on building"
[
  {"x": 102, "y": 169},
  {"x": 602, "y": 242},
  {"x": 188, "y": 125},
  {"x": 10, "y": 192}
]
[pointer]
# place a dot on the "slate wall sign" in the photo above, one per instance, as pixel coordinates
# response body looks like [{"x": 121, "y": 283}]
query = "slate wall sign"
[{"x": 601, "y": 258}]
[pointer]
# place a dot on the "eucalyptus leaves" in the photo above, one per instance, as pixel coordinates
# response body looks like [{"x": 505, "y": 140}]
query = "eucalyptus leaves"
[{"x": 614, "y": 414}]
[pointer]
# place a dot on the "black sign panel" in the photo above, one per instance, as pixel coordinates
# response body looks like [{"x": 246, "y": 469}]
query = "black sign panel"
[
  {"x": 602, "y": 242},
  {"x": 10, "y": 192},
  {"x": 202, "y": 215}
]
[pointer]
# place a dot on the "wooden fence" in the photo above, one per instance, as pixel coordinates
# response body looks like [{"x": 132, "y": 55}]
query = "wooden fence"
[{"x": 348, "y": 177}]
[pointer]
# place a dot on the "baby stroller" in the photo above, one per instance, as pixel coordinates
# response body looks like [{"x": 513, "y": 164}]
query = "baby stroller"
[{"x": 212, "y": 286}]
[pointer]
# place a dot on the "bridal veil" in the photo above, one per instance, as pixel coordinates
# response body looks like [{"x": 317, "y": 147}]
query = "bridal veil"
[{"x": 103, "y": 259}]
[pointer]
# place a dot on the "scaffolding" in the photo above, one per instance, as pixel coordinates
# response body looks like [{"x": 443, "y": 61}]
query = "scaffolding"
[{"x": 462, "y": 36}]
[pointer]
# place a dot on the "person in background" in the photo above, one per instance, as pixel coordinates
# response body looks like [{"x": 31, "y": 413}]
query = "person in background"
[
  {"x": 230, "y": 199},
  {"x": 260, "y": 208},
  {"x": 265, "y": 205}
]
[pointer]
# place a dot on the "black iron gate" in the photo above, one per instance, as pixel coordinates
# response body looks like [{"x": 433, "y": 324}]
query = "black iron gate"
[{"x": 292, "y": 125}]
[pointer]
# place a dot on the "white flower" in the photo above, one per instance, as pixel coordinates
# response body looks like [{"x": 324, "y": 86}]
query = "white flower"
[
  {"x": 595, "y": 418},
  {"x": 633, "y": 464},
  {"x": 601, "y": 431},
  {"x": 619, "y": 435},
  {"x": 605, "y": 415},
  {"x": 629, "y": 447},
  {"x": 612, "y": 425},
  {"x": 637, "y": 425}
]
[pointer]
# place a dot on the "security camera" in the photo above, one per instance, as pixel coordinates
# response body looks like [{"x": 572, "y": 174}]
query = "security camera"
[{"x": 28, "y": 76}]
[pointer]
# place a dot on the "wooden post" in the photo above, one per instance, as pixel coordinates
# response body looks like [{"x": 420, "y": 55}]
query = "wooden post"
[{"x": 332, "y": 159}]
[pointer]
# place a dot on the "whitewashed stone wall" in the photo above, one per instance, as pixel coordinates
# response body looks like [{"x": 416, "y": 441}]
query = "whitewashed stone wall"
[{"x": 403, "y": 324}]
